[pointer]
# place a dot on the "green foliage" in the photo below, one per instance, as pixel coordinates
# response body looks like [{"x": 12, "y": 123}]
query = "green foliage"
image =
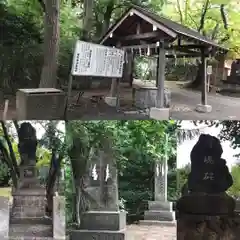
[
  {"x": 4, "y": 174},
  {"x": 135, "y": 145},
  {"x": 21, "y": 43},
  {"x": 234, "y": 190}
]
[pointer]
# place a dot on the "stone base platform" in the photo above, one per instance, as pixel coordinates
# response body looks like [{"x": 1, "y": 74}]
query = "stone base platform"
[
  {"x": 157, "y": 223},
  {"x": 160, "y": 211},
  {"x": 159, "y": 215},
  {"x": 97, "y": 235},
  {"x": 103, "y": 220},
  {"x": 101, "y": 225}
]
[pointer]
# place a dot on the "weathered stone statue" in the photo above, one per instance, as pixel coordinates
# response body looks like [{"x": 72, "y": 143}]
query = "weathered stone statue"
[
  {"x": 206, "y": 211},
  {"x": 27, "y": 143},
  {"x": 27, "y": 219},
  {"x": 209, "y": 172}
]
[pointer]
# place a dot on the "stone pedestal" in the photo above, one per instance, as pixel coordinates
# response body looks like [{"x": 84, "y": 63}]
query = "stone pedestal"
[
  {"x": 49, "y": 102},
  {"x": 59, "y": 219},
  {"x": 146, "y": 97},
  {"x": 101, "y": 225},
  {"x": 203, "y": 108},
  {"x": 159, "y": 212},
  {"x": 27, "y": 215},
  {"x": 4, "y": 216},
  {"x": 205, "y": 216}
]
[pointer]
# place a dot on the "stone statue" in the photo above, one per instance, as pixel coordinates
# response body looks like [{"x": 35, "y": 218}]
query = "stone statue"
[
  {"x": 209, "y": 172},
  {"x": 206, "y": 211},
  {"x": 27, "y": 143}
]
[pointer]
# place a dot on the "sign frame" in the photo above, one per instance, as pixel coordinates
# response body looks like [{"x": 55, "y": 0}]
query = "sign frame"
[{"x": 96, "y": 60}]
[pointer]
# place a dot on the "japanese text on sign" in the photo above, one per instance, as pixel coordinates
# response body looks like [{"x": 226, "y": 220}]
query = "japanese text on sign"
[{"x": 97, "y": 60}]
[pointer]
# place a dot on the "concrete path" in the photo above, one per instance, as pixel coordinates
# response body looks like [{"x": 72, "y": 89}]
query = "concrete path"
[
  {"x": 185, "y": 101},
  {"x": 139, "y": 232}
]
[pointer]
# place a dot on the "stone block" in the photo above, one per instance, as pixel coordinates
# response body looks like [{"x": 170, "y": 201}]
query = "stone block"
[
  {"x": 204, "y": 108},
  {"x": 157, "y": 223},
  {"x": 30, "y": 230},
  {"x": 146, "y": 97},
  {"x": 49, "y": 103},
  {"x": 159, "y": 113},
  {"x": 202, "y": 204},
  {"x": 209, "y": 227},
  {"x": 103, "y": 220},
  {"x": 159, "y": 215},
  {"x": 97, "y": 235},
  {"x": 59, "y": 219},
  {"x": 111, "y": 101},
  {"x": 160, "y": 205},
  {"x": 4, "y": 216}
]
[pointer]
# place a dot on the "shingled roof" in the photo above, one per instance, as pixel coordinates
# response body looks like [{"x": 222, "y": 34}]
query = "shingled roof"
[{"x": 180, "y": 30}]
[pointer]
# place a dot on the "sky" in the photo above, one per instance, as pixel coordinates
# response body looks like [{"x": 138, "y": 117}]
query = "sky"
[{"x": 184, "y": 149}]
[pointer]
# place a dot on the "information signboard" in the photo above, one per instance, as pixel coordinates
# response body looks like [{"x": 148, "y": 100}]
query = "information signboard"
[{"x": 97, "y": 60}]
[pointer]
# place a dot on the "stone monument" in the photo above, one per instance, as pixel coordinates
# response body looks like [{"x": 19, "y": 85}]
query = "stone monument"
[
  {"x": 4, "y": 216},
  {"x": 103, "y": 220},
  {"x": 27, "y": 214},
  {"x": 206, "y": 211},
  {"x": 59, "y": 218},
  {"x": 160, "y": 211}
]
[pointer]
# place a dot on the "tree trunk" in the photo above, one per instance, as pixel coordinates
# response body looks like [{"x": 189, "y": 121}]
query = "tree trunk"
[
  {"x": 87, "y": 20},
  {"x": 11, "y": 152},
  {"x": 51, "y": 44},
  {"x": 198, "y": 80}
]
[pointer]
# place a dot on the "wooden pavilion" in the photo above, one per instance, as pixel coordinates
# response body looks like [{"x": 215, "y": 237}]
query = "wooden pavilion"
[{"x": 139, "y": 30}]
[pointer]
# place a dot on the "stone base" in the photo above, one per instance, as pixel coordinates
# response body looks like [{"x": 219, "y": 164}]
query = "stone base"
[
  {"x": 103, "y": 220},
  {"x": 28, "y": 215},
  {"x": 160, "y": 211},
  {"x": 202, "y": 204},
  {"x": 59, "y": 219},
  {"x": 159, "y": 113},
  {"x": 190, "y": 227},
  {"x": 4, "y": 216},
  {"x": 111, "y": 101},
  {"x": 157, "y": 223},
  {"x": 159, "y": 215},
  {"x": 97, "y": 235},
  {"x": 204, "y": 108},
  {"x": 160, "y": 205},
  {"x": 49, "y": 102}
]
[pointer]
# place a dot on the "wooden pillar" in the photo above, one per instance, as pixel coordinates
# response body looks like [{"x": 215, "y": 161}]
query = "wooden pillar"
[
  {"x": 160, "y": 76},
  {"x": 114, "y": 91},
  {"x": 204, "y": 78}
]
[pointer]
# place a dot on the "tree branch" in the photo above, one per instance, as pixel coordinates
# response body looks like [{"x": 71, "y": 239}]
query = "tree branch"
[
  {"x": 215, "y": 30},
  {"x": 204, "y": 12},
  {"x": 180, "y": 11},
  {"x": 224, "y": 17}
]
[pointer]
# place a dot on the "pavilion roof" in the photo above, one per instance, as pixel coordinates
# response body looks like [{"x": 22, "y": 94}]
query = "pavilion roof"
[{"x": 170, "y": 30}]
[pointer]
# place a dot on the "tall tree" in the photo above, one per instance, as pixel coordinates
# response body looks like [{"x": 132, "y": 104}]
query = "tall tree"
[{"x": 51, "y": 10}]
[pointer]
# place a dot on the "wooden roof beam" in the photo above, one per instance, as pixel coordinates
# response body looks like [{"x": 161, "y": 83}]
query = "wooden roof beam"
[{"x": 141, "y": 36}]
